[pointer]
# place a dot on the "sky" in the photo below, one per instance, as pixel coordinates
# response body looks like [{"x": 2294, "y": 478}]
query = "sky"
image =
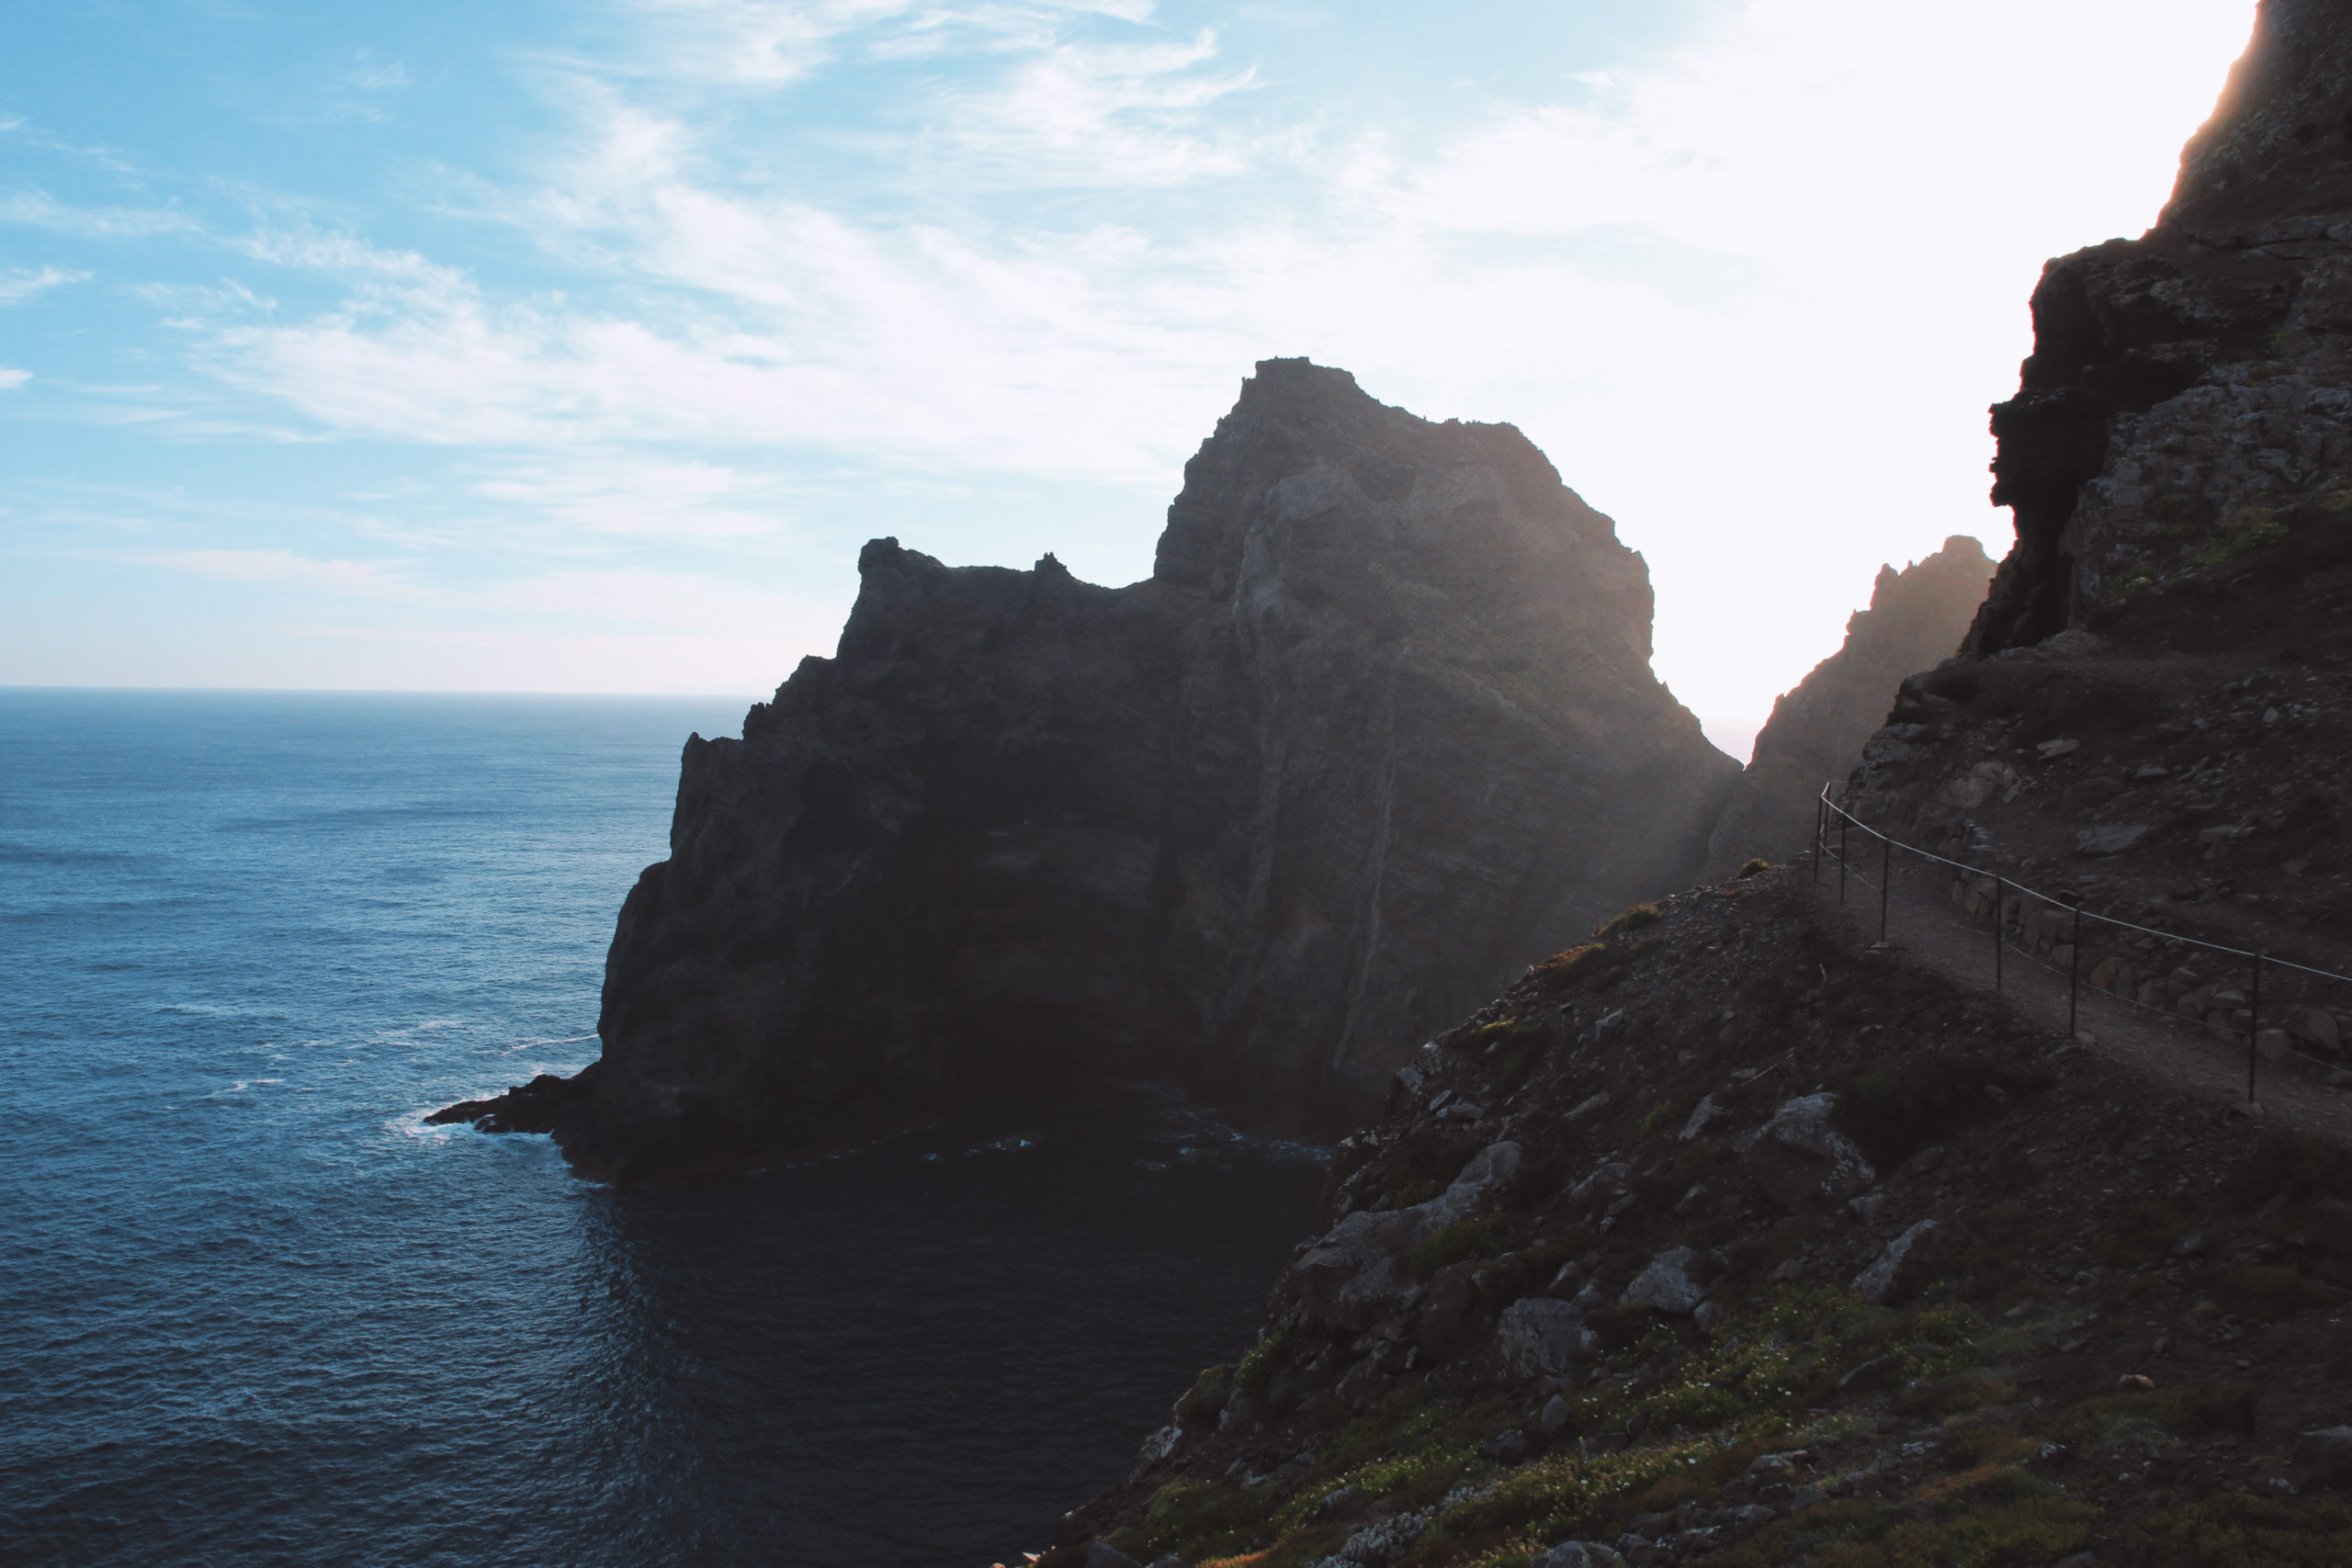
[{"x": 579, "y": 346}]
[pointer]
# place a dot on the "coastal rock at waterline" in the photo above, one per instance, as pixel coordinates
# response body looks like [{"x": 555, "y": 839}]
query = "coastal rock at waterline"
[
  {"x": 1378, "y": 731},
  {"x": 526, "y": 1108}
]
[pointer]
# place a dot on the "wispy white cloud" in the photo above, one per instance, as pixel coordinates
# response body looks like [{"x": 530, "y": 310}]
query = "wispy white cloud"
[
  {"x": 10, "y": 380},
  {"x": 36, "y": 209},
  {"x": 1083, "y": 226},
  {"x": 284, "y": 568},
  {"x": 25, "y": 283}
]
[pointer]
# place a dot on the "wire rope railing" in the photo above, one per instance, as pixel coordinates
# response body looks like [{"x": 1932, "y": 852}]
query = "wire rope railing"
[{"x": 2040, "y": 915}]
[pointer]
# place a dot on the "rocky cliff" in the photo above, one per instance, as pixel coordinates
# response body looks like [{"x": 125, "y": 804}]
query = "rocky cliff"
[
  {"x": 1916, "y": 620},
  {"x": 1741, "y": 1236},
  {"x": 1379, "y": 729},
  {"x": 2186, "y": 401}
]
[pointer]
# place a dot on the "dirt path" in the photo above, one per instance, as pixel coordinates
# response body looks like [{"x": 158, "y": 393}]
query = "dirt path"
[{"x": 1923, "y": 925}]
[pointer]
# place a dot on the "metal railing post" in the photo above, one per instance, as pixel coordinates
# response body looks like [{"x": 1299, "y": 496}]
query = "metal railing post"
[
  {"x": 1885, "y": 881},
  {"x": 2073, "y": 970},
  {"x": 1820, "y": 828},
  {"x": 1841, "y": 856},
  {"x": 2253, "y": 1026},
  {"x": 1998, "y": 943}
]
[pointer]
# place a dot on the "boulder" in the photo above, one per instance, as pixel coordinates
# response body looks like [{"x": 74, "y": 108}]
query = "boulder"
[
  {"x": 1706, "y": 1114},
  {"x": 2323, "y": 1458},
  {"x": 2112, "y": 838},
  {"x": 1807, "y": 1166},
  {"x": 1376, "y": 1546},
  {"x": 2316, "y": 1026},
  {"x": 1541, "y": 1336},
  {"x": 1664, "y": 1285},
  {"x": 1357, "y": 1273},
  {"x": 1876, "y": 1283},
  {"x": 1577, "y": 1554}
]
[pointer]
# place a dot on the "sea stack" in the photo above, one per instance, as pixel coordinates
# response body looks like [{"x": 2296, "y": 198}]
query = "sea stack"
[{"x": 1378, "y": 731}]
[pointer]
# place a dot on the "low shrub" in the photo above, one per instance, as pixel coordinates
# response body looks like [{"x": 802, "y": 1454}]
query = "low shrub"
[
  {"x": 2145, "y": 1232},
  {"x": 1427, "y": 1161},
  {"x": 2296, "y": 1166},
  {"x": 1458, "y": 1243},
  {"x": 1895, "y": 1111},
  {"x": 1258, "y": 1366},
  {"x": 1206, "y": 1400},
  {"x": 1758, "y": 865},
  {"x": 1561, "y": 970},
  {"x": 1625, "y": 920},
  {"x": 1935, "y": 1398},
  {"x": 2263, "y": 1289},
  {"x": 2243, "y": 1531}
]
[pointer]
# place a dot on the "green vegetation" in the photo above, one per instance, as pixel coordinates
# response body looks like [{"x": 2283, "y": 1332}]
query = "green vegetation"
[
  {"x": 1751, "y": 867},
  {"x": 2250, "y": 1532},
  {"x": 1625, "y": 920},
  {"x": 1893, "y": 1112},
  {"x": 2248, "y": 530},
  {"x": 2263, "y": 1291},
  {"x": 1427, "y": 1161},
  {"x": 1460, "y": 1242},
  {"x": 1993, "y": 1517},
  {"x": 2145, "y": 1232}
]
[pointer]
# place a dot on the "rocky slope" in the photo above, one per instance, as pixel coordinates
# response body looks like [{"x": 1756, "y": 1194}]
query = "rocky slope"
[
  {"x": 1734, "y": 1237},
  {"x": 1916, "y": 620},
  {"x": 1379, "y": 729},
  {"x": 1728, "y": 1238}
]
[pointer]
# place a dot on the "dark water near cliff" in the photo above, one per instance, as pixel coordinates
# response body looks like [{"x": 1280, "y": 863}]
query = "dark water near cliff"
[{"x": 251, "y": 1310}]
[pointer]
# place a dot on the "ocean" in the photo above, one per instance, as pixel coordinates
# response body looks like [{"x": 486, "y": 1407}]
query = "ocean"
[{"x": 253, "y": 1310}]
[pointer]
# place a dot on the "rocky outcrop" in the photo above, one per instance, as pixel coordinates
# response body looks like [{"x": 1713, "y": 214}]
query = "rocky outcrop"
[
  {"x": 1916, "y": 620},
  {"x": 1378, "y": 731},
  {"x": 2188, "y": 401}
]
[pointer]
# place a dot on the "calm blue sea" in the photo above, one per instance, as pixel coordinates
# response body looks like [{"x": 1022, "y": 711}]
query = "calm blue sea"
[{"x": 252, "y": 1311}]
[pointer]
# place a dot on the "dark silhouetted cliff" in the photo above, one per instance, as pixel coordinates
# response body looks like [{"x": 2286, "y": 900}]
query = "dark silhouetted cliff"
[
  {"x": 1915, "y": 619},
  {"x": 1379, "y": 730}
]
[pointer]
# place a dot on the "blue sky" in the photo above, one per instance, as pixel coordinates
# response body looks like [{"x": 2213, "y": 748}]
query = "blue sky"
[{"x": 579, "y": 346}]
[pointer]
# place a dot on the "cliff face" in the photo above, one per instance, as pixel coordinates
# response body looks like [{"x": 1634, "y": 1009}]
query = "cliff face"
[
  {"x": 1756, "y": 1236},
  {"x": 1916, "y": 620},
  {"x": 2185, "y": 402},
  {"x": 1378, "y": 730}
]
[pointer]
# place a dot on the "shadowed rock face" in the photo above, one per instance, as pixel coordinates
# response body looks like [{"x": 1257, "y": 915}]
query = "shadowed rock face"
[
  {"x": 1916, "y": 620},
  {"x": 1378, "y": 731},
  {"x": 2186, "y": 387}
]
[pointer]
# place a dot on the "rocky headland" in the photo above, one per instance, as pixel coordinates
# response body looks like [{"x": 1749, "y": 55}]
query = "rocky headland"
[
  {"x": 1915, "y": 621},
  {"x": 1736, "y": 1235},
  {"x": 1379, "y": 729}
]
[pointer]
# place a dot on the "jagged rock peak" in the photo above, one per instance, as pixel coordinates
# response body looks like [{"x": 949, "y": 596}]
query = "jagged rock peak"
[
  {"x": 2187, "y": 397},
  {"x": 2280, "y": 138},
  {"x": 1915, "y": 619},
  {"x": 1379, "y": 732}
]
